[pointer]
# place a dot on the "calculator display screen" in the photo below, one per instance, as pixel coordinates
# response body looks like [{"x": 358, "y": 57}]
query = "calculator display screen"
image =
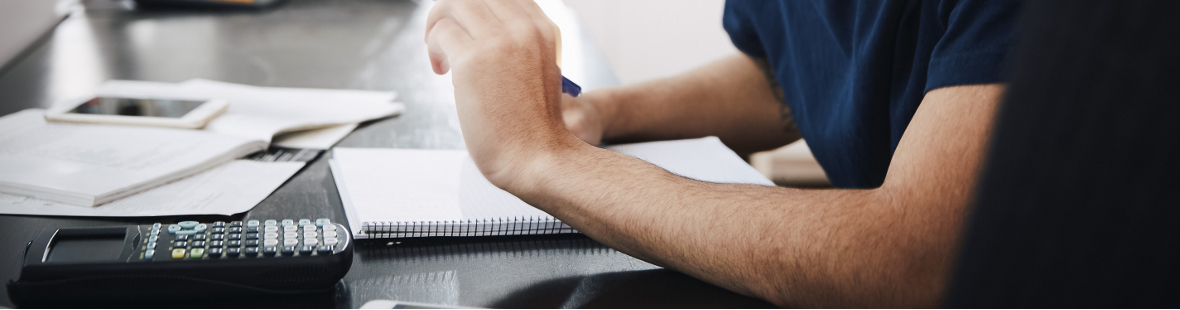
[
  {"x": 169, "y": 108},
  {"x": 86, "y": 248}
]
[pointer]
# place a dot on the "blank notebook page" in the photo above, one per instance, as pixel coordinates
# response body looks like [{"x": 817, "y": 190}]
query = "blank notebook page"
[{"x": 414, "y": 185}]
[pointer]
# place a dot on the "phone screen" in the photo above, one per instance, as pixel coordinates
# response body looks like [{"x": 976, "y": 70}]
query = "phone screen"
[{"x": 171, "y": 108}]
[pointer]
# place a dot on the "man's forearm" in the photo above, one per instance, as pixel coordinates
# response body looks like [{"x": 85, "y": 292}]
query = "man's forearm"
[
  {"x": 890, "y": 246},
  {"x": 730, "y": 98},
  {"x": 809, "y": 248}
]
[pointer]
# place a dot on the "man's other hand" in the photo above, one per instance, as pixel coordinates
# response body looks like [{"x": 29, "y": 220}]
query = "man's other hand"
[{"x": 585, "y": 117}]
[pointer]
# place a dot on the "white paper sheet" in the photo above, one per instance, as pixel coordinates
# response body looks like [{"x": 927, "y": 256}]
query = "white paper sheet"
[
  {"x": 319, "y": 139},
  {"x": 232, "y": 188}
]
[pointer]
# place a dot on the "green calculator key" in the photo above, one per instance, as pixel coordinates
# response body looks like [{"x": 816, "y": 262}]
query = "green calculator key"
[{"x": 196, "y": 253}]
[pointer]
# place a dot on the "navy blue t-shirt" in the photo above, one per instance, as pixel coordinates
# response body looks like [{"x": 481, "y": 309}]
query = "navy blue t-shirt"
[{"x": 854, "y": 72}]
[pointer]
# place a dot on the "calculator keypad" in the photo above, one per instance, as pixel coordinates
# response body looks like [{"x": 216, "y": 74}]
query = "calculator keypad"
[{"x": 253, "y": 239}]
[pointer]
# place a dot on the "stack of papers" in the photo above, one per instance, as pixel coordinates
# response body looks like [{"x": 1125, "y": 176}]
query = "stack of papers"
[{"x": 67, "y": 169}]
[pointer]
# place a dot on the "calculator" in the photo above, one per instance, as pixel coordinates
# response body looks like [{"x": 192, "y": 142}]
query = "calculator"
[{"x": 254, "y": 257}]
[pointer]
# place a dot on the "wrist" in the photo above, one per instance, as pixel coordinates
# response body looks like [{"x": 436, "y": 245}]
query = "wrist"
[{"x": 530, "y": 180}]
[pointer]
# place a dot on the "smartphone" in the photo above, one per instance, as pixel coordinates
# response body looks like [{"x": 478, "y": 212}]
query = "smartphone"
[{"x": 158, "y": 112}]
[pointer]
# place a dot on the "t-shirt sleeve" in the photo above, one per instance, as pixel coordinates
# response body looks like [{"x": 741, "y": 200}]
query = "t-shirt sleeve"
[
  {"x": 978, "y": 35},
  {"x": 740, "y": 27}
]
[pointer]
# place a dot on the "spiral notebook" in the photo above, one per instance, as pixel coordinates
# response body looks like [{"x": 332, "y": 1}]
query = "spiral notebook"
[{"x": 405, "y": 193}]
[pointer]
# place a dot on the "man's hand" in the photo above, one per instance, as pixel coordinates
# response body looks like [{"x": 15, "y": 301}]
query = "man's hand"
[
  {"x": 502, "y": 55},
  {"x": 584, "y": 117}
]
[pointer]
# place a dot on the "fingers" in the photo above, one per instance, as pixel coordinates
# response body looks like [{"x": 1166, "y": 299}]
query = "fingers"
[
  {"x": 472, "y": 16},
  {"x": 523, "y": 15},
  {"x": 541, "y": 20},
  {"x": 446, "y": 39}
]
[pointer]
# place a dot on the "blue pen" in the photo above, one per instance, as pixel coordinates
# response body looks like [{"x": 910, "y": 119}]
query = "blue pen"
[{"x": 569, "y": 87}]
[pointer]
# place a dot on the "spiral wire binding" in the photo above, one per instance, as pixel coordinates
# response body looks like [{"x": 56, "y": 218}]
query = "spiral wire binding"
[{"x": 504, "y": 226}]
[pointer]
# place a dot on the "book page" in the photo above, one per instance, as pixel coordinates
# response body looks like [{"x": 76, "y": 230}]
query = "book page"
[{"x": 81, "y": 163}]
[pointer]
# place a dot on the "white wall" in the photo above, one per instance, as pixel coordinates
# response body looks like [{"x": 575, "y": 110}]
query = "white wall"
[{"x": 646, "y": 39}]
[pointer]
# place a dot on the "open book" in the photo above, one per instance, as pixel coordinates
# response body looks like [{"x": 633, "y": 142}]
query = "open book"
[
  {"x": 400, "y": 193},
  {"x": 88, "y": 165}
]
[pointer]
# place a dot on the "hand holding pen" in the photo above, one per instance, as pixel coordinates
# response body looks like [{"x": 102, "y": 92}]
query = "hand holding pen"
[{"x": 508, "y": 87}]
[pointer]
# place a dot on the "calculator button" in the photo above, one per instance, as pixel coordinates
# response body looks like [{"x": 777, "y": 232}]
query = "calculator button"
[
  {"x": 329, "y": 227},
  {"x": 186, "y": 232},
  {"x": 288, "y": 251},
  {"x": 233, "y": 252},
  {"x": 252, "y": 251},
  {"x": 271, "y": 222},
  {"x": 309, "y": 227},
  {"x": 218, "y": 229},
  {"x": 239, "y": 236},
  {"x": 251, "y": 242},
  {"x": 271, "y": 229},
  {"x": 311, "y": 241},
  {"x": 180, "y": 238},
  {"x": 290, "y": 242},
  {"x": 179, "y": 244},
  {"x": 155, "y": 231},
  {"x": 215, "y": 252},
  {"x": 306, "y": 250},
  {"x": 321, "y": 222},
  {"x": 153, "y": 239},
  {"x": 198, "y": 244},
  {"x": 288, "y": 222},
  {"x": 269, "y": 251},
  {"x": 270, "y": 235},
  {"x": 290, "y": 235},
  {"x": 197, "y": 253},
  {"x": 311, "y": 234},
  {"x": 331, "y": 241},
  {"x": 200, "y": 227},
  {"x": 252, "y": 223},
  {"x": 178, "y": 253},
  {"x": 151, "y": 245},
  {"x": 156, "y": 226},
  {"x": 330, "y": 234},
  {"x": 199, "y": 237},
  {"x": 324, "y": 249},
  {"x": 215, "y": 244},
  {"x": 235, "y": 224},
  {"x": 188, "y": 224},
  {"x": 172, "y": 229},
  {"x": 270, "y": 242},
  {"x": 304, "y": 222},
  {"x": 218, "y": 224},
  {"x": 290, "y": 228},
  {"x": 235, "y": 229},
  {"x": 149, "y": 254},
  {"x": 234, "y": 243},
  {"x": 216, "y": 237},
  {"x": 252, "y": 229}
]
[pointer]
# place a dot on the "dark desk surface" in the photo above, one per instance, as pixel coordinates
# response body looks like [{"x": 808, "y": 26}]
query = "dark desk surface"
[{"x": 375, "y": 45}]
